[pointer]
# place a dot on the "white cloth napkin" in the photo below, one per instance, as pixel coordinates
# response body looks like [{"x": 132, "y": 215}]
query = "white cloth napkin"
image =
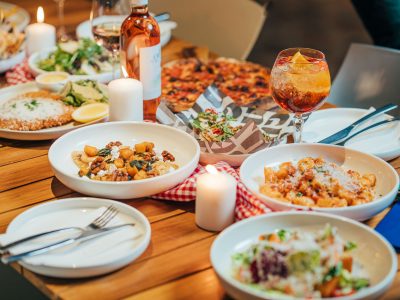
[{"x": 102, "y": 249}]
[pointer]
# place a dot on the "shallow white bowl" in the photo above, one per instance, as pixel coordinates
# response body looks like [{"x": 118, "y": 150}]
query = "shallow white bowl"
[
  {"x": 373, "y": 252},
  {"x": 37, "y": 56},
  {"x": 252, "y": 175},
  {"x": 84, "y": 30},
  {"x": 183, "y": 146}
]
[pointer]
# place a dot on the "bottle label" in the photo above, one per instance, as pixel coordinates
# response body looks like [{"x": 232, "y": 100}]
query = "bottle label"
[{"x": 150, "y": 71}]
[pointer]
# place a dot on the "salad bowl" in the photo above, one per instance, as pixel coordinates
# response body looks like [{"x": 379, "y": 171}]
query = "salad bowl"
[
  {"x": 381, "y": 270},
  {"x": 183, "y": 146},
  {"x": 33, "y": 62},
  {"x": 387, "y": 179}
]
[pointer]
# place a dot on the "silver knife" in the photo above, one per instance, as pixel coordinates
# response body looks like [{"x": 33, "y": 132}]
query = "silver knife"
[
  {"x": 346, "y": 131},
  {"x": 162, "y": 17},
  {"x": 85, "y": 236}
]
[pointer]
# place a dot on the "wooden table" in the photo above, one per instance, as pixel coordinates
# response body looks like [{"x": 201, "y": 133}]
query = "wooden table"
[{"x": 175, "y": 266}]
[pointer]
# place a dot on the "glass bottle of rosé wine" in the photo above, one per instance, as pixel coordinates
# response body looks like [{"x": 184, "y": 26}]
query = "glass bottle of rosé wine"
[{"x": 141, "y": 54}]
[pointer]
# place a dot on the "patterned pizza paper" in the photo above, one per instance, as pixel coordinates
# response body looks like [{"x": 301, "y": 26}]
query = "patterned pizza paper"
[{"x": 255, "y": 121}]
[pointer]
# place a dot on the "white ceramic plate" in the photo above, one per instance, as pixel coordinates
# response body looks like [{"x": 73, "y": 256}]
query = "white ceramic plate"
[
  {"x": 20, "y": 17},
  {"x": 381, "y": 268},
  {"x": 37, "y": 56},
  {"x": 252, "y": 175},
  {"x": 9, "y": 63},
  {"x": 37, "y": 135},
  {"x": 85, "y": 31},
  {"x": 99, "y": 256},
  {"x": 382, "y": 141},
  {"x": 183, "y": 146}
]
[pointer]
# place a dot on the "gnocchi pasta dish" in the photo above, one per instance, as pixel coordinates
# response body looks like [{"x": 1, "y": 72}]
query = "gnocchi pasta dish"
[
  {"x": 118, "y": 162},
  {"x": 314, "y": 182}
]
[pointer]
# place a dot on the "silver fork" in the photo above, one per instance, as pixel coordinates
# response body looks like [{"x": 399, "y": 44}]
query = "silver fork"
[{"x": 97, "y": 223}]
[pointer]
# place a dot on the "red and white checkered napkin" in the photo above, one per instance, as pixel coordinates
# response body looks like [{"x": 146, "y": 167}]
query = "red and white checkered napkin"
[
  {"x": 19, "y": 74},
  {"x": 246, "y": 204}
]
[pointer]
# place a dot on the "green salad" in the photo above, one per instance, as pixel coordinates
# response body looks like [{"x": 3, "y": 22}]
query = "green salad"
[
  {"x": 83, "y": 92},
  {"x": 300, "y": 263},
  {"x": 83, "y": 57},
  {"x": 215, "y": 127}
]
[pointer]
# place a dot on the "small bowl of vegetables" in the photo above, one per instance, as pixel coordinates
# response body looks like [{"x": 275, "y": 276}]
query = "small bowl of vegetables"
[{"x": 82, "y": 59}]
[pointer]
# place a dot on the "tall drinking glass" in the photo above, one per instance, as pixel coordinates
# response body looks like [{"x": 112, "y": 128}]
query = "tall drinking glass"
[
  {"x": 106, "y": 23},
  {"x": 300, "y": 82}
]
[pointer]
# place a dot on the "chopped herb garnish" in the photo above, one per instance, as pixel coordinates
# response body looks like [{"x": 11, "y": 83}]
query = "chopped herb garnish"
[
  {"x": 31, "y": 105},
  {"x": 299, "y": 194},
  {"x": 137, "y": 163},
  {"x": 14, "y": 105},
  {"x": 361, "y": 283},
  {"x": 283, "y": 234},
  {"x": 334, "y": 271},
  {"x": 104, "y": 152},
  {"x": 350, "y": 246}
]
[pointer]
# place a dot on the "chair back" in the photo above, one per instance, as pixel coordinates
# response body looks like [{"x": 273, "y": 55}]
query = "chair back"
[
  {"x": 369, "y": 76},
  {"x": 227, "y": 27}
]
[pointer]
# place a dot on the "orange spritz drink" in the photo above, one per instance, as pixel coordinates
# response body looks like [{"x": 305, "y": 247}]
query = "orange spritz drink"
[{"x": 300, "y": 82}]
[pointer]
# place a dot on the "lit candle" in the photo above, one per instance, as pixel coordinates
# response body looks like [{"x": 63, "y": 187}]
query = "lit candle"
[
  {"x": 40, "y": 35},
  {"x": 125, "y": 99},
  {"x": 215, "y": 200}
]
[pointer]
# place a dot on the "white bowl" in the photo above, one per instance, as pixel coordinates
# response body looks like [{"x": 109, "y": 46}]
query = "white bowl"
[
  {"x": 84, "y": 30},
  {"x": 9, "y": 63},
  {"x": 373, "y": 251},
  {"x": 183, "y": 146},
  {"x": 54, "y": 86},
  {"x": 252, "y": 175},
  {"x": 37, "y": 56}
]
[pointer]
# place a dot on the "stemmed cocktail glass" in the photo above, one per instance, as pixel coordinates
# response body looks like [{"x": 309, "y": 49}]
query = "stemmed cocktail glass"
[{"x": 300, "y": 82}]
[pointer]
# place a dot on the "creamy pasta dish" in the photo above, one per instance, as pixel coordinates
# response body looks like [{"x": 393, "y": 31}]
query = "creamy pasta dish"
[{"x": 314, "y": 182}]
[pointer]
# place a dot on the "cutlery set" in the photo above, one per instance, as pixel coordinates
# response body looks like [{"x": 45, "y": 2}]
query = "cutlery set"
[
  {"x": 92, "y": 231},
  {"x": 342, "y": 136}
]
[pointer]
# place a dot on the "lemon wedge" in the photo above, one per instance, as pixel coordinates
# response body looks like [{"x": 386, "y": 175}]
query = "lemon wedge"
[
  {"x": 90, "y": 112},
  {"x": 299, "y": 59}
]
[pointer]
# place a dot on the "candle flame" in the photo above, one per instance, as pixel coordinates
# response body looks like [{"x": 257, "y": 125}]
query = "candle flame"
[
  {"x": 211, "y": 169},
  {"x": 124, "y": 72},
  {"x": 40, "y": 15}
]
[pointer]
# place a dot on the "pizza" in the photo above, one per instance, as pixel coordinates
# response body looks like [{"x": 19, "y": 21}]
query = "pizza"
[
  {"x": 244, "y": 82},
  {"x": 184, "y": 80}
]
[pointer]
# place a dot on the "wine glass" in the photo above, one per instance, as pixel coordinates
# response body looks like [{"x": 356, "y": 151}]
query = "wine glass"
[
  {"x": 61, "y": 30},
  {"x": 300, "y": 82},
  {"x": 106, "y": 23}
]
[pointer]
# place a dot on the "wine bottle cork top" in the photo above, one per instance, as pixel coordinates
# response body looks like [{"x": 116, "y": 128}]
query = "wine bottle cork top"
[{"x": 139, "y": 2}]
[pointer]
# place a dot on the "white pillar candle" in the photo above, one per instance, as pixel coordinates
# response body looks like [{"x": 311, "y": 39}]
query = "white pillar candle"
[
  {"x": 215, "y": 200},
  {"x": 40, "y": 35},
  {"x": 126, "y": 100}
]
